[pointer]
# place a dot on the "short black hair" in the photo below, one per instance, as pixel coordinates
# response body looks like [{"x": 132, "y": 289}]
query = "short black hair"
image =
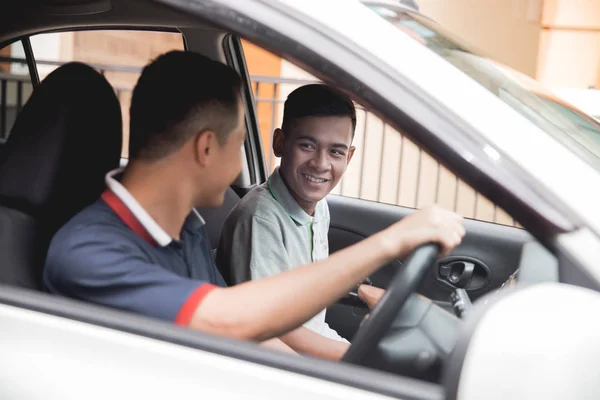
[
  {"x": 178, "y": 94},
  {"x": 317, "y": 100}
]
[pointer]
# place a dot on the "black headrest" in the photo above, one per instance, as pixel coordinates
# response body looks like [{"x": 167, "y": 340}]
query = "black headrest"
[{"x": 65, "y": 139}]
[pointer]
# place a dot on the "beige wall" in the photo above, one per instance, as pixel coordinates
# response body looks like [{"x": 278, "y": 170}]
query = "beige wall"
[
  {"x": 569, "y": 52},
  {"x": 507, "y": 30}
]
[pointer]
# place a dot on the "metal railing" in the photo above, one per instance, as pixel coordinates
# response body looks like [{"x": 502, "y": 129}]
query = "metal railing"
[{"x": 387, "y": 166}]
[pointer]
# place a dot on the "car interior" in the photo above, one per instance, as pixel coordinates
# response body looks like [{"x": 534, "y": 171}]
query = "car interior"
[{"x": 58, "y": 137}]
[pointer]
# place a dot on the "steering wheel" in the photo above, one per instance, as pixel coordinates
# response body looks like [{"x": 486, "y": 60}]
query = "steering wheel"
[{"x": 402, "y": 286}]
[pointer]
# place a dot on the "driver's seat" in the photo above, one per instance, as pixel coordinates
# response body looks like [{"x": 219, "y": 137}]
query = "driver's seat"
[{"x": 64, "y": 141}]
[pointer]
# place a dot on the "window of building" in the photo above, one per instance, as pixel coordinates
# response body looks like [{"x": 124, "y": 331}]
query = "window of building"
[
  {"x": 15, "y": 86},
  {"x": 387, "y": 166},
  {"x": 119, "y": 55}
]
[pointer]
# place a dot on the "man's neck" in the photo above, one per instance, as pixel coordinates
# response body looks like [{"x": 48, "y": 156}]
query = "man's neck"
[
  {"x": 309, "y": 207},
  {"x": 160, "y": 191}
]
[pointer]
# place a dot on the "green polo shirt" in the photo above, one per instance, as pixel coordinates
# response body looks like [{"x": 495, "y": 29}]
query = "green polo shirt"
[{"x": 269, "y": 232}]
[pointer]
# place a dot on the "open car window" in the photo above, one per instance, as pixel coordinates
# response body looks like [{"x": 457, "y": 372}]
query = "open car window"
[
  {"x": 15, "y": 86},
  {"x": 387, "y": 166}
]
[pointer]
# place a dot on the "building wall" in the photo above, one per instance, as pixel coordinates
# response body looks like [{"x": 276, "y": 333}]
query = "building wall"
[
  {"x": 569, "y": 52},
  {"x": 507, "y": 30},
  {"x": 5, "y": 52}
]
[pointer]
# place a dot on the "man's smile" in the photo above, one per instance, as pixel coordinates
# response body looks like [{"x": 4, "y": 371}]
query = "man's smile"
[{"x": 314, "y": 179}]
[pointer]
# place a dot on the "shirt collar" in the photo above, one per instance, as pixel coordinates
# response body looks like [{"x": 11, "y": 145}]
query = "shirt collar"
[
  {"x": 282, "y": 195},
  {"x": 156, "y": 233}
]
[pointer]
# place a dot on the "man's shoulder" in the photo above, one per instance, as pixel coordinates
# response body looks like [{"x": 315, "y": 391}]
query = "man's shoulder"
[
  {"x": 82, "y": 243},
  {"x": 258, "y": 203},
  {"x": 97, "y": 221}
]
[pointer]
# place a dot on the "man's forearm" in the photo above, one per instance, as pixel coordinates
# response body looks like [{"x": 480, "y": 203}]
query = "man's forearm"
[
  {"x": 278, "y": 344},
  {"x": 305, "y": 341},
  {"x": 269, "y": 307}
]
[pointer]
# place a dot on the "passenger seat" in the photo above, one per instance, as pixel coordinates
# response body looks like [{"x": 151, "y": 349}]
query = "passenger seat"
[{"x": 215, "y": 217}]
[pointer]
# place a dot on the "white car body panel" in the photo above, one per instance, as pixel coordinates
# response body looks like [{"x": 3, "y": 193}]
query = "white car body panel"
[
  {"x": 68, "y": 359},
  {"x": 554, "y": 354}
]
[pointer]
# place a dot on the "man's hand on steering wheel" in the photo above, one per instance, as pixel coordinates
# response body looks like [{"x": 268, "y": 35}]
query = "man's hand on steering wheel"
[
  {"x": 429, "y": 225},
  {"x": 370, "y": 295}
]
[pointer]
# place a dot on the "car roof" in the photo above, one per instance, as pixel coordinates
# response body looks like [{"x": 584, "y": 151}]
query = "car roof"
[
  {"x": 23, "y": 18},
  {"x": 28, "y": 17}
]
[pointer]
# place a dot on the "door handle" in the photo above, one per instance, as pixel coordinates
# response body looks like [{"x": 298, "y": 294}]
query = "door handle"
[{"x": 457, "y": 273}]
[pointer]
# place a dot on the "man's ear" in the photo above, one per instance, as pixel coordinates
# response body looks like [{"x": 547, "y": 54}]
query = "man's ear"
[
  {"x": 204, "y": 147},
  {"x": 278, "y": 142},
  {"x": 350, "y": 154}
]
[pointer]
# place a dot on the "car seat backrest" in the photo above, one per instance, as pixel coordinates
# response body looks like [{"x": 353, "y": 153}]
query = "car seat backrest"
[
  {"x": 215, "y": 217},
  {"x": 66, "y": 138}
]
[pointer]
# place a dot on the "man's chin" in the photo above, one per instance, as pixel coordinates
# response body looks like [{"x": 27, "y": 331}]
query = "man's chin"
[
  {"x": 314, "y": 197},
  {"x": 212, "y": 203}
]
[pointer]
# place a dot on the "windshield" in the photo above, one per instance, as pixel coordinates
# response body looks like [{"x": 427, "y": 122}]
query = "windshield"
[{"x": 573, "y": 128}]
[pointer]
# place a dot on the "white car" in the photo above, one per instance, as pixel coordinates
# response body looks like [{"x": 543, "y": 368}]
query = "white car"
[{"x": 532, "y": 330}]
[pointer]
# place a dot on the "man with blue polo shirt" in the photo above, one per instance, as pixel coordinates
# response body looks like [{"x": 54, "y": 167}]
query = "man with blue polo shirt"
[{"x": 142, "y": 248}]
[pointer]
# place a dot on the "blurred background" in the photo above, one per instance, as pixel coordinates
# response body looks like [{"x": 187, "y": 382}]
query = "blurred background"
[{"x": 556, "y": 42}]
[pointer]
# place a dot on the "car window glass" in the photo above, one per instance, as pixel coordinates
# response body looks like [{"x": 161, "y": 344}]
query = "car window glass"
[
  {"x": 387, "y": 166},
  {"x": 575, "y": 130},
  {"x": 119, "y": 55},
  {"x": 15, "y": 86}
]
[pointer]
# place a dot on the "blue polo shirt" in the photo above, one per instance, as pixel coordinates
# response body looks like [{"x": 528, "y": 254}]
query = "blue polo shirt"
[{"x": 113, "y": 254}]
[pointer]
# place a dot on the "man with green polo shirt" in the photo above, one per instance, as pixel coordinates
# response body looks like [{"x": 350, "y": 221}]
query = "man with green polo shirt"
[{"x": 286, "y": 220}]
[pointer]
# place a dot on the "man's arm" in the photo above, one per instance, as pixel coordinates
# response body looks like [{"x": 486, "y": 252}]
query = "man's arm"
[
  {"x": 265, "y": 308},
  {"x": 277, "y": 344},
  {"x": 303, "y": 340}
]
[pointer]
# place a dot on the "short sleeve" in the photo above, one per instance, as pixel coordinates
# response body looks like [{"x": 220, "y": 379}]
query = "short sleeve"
[
  {"x": 264, "y": 256},
  {"x": 103, "y": 267}
]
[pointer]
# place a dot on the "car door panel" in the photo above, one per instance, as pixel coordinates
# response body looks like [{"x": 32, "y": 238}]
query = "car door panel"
[{"x": 486, "y": 258}]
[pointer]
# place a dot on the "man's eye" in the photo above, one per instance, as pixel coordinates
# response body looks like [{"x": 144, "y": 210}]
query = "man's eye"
[
  {"x": 306, "y": 146},
  {"x": 337, "y": 153}
]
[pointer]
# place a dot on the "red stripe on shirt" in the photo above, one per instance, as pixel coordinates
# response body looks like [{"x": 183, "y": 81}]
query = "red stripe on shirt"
[
  {"x": 117, "y": 205},
  {"x": 185, "y": 314}
]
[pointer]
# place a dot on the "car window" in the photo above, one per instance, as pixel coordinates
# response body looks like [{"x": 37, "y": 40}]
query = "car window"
[
  {"x": 119, "y": 55},
  {"x": 15, "y": 86},
  {"x": 387, "y": 166}
]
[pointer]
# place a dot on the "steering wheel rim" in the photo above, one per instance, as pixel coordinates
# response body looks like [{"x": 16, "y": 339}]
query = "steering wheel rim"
[{"x": 401, "y": 287}]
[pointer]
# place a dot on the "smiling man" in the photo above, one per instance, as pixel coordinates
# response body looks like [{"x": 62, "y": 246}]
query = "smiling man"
[{"x": 286, "y": 220}]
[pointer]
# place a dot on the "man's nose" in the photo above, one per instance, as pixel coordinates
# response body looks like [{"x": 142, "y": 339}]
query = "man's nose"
[{"x": 320, "y": 161}]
